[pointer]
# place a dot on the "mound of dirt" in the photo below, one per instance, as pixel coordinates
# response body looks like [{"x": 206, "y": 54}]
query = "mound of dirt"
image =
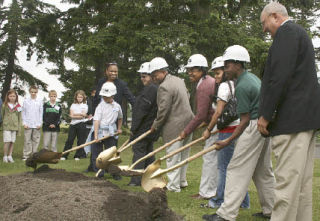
[{"x": 51, "y": 194}]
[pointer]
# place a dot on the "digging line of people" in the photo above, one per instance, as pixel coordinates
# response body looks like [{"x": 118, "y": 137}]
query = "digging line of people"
[{"x": 281, "y": 113}]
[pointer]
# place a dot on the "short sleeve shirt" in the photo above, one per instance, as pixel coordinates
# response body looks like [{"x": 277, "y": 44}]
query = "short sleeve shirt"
[
  {"x": 78, "y": 109},
  {"x": 107, "y": 113},
  {"x": 247, "y": 93}
]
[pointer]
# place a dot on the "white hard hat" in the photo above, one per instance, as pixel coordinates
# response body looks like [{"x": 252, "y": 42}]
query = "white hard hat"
[
  {"x": 157, "y": 63},
  {"x": 218, "y": 62},
  {"x": 197, "y": 60},
  {"x": 237, "y": 53},
  {"x": 108, "y": 89},
  {"x": 144, "y": 68}
]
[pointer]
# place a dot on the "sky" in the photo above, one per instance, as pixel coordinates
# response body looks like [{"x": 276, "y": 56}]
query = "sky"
[{"x": 40, "y": 71}]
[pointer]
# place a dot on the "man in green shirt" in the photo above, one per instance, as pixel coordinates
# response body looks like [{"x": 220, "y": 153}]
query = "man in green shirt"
[{"x": 251, "y": 157}]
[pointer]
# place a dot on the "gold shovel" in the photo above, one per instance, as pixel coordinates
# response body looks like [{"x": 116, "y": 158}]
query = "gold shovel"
[
  {"x": 152, "y": 178},
  {"x": 112, "y": 155},
  {"x": 156, "y": 164},
  {"x": 48, "y": 156}
]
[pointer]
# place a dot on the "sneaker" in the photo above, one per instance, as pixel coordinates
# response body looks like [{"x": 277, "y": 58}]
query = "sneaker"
[
  {"x": 62, "y": 158},
  {"x": 76, "y": 158},
  {"x": 5, "y": 159},
  {"x": 10, "y": 159}
]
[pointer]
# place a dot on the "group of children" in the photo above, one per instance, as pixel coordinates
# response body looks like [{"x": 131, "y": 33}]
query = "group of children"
[{"x": 34, "y": 114}]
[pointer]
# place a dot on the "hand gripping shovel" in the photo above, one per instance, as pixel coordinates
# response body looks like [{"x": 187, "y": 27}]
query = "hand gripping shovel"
[
  {"x": 112, "y": 155},
  {"x": 153, "y": 178},
  {"x": 48, "y": 156}
]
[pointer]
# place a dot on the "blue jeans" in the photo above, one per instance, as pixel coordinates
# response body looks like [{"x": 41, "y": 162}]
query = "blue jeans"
[{"x": 224, "y": 157}]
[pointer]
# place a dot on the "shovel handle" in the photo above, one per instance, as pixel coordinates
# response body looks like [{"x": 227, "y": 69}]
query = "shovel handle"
[
  {"x": 89, "y": 143},
  {"x": 125, "y": 143},
  {"x": 154, "y": 152},
  {"x": 197, "y": 155},
  {"x": 186, "y": 146},
  {"x": 134, "y": 141}
]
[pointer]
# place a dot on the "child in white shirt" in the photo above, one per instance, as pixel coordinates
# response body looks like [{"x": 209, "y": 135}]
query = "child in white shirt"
[
  {"x": 107, "y": 120},
  {"x": 77, "y": 128},
  {"x": 32, "y": 121}
]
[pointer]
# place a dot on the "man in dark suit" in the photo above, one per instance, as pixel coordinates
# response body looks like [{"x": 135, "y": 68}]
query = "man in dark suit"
[{"x": 290, "y": 112}]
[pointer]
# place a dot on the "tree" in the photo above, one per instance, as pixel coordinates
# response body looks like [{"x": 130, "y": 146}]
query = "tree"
[
  {"x": 23, "y": 23},
  {"x": 132, "y": 32}
]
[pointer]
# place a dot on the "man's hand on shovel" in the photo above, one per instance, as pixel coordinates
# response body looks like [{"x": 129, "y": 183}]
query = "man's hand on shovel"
[{"x": 221, "y": 144}]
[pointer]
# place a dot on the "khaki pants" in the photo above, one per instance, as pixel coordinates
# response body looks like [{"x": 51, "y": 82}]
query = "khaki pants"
[
  {"x": 178, "y": 177},
  {"x": 294, "y": 171},
  {"x": 50, "y": 140},
  {"x": 251, "y": 159},
  {"x": 31, "y": 141},
  {"x": 209, "y": 176}
]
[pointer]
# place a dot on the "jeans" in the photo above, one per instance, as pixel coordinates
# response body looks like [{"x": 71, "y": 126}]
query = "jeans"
[
  {"x": 224, "y": 157},
  {"x": 97, "y": 148}
]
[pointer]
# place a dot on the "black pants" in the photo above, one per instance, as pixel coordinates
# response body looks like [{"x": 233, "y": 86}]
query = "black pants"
[
  {"x": 141, "y": 149},
  {"x": 97, "y": 148},
  {"x": 79, "y": 131}
]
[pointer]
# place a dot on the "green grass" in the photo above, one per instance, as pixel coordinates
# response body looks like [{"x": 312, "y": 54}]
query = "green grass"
[{"x": 181, "y": 202}]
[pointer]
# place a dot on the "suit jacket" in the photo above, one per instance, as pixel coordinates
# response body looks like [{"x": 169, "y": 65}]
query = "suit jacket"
[
  {"x": 174, "y": 111},
  {"x": 290, "y": 91},
  {"x": 122, "y": 91},
  {"x": 144, "y": 111}
]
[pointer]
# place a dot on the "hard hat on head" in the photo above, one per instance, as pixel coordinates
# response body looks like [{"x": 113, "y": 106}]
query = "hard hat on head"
[
  {"x": 144, "y": 68},
  {"x": 197, "y": 60},
  {"x": 236, "y": 53},
  {"x": 218, "y": 62},
  {"x": 157, "y": 63},
  {"x": 108, "y": 89}
]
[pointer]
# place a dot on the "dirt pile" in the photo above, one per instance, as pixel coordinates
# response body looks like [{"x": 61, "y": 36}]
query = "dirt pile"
[{"x": 50, "y": 194}]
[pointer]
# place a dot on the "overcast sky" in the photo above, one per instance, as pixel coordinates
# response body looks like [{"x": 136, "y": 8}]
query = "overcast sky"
[{"x": 40, "y": 71}]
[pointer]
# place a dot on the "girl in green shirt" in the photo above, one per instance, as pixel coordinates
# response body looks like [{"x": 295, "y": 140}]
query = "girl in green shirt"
[{"x": 11, "y": 116}]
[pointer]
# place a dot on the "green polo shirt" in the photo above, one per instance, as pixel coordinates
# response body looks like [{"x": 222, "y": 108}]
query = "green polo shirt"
[{"x": 247, "y": 93}]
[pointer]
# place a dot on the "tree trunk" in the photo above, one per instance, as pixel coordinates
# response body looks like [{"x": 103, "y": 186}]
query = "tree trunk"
[
  {"x": 13, "y": 43},
  {"x": 10, "y": 66}
]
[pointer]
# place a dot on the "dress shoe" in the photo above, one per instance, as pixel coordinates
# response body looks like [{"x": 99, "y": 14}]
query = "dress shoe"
[
  {"x": 261, "y": 215},
  {"x": 199, "y": 197},
  {"x": 213, "y": 217}
]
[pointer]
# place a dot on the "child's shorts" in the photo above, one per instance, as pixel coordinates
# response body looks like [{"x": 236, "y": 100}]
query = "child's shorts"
[{"x": 9, "y": 136}]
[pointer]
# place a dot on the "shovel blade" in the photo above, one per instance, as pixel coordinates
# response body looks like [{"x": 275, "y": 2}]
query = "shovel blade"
[{"x": 149, "y": 183}]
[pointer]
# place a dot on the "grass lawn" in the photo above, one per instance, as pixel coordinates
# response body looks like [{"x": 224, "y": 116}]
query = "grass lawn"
[{"x": 181, "y": 203}]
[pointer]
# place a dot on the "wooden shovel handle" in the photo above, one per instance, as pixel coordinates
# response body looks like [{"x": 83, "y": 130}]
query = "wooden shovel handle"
[
  {"x": 154, "y": 152},
  {"x": 197, "y": 155},
  {"x": 185, "y": 146},
  {"x": 89, "y": 143},
  {"x": 134, "y": 141}
]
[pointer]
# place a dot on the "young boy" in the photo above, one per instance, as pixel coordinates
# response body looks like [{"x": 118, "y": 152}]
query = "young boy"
[
  {"x": 51, "y": 122},
  {"x": 32, "y": 120},
  {"x": 107, "y": 120}
]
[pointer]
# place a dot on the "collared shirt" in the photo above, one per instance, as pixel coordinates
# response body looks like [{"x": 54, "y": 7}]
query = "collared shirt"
[
  {"x": 32, "y": 112},
  {"x": 247, "y": 93},
  {"x": 285, "y": 21},
  {"x": 107, "y": 113}
]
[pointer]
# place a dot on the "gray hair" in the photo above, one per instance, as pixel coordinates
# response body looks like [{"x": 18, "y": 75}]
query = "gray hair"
[{"x": 275, "y": 7}]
